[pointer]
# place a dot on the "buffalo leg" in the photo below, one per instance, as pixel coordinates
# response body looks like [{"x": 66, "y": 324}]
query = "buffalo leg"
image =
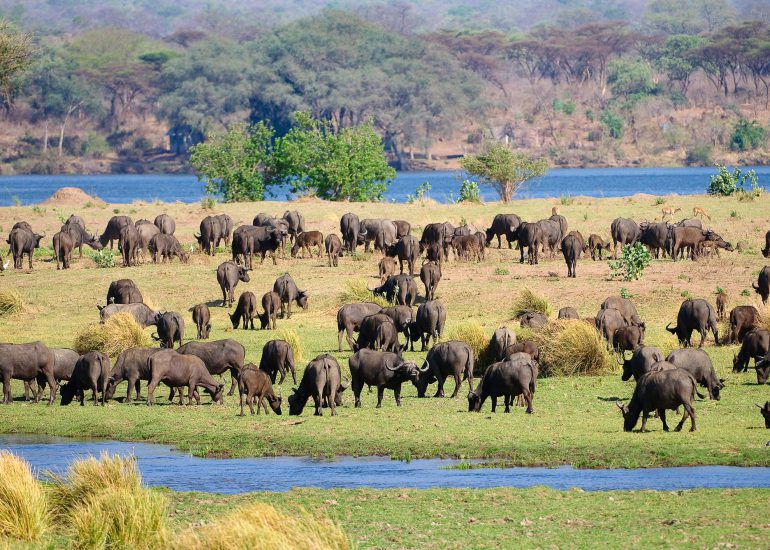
[
  {"x": 528, "y": 398},
  {"x": 662, "y": 416},
  {"x": 233, "y": 381},
  {"x": 380, "y": 393},
  {"x": 319, "y": 405},
  {"x": 494, "y": 403},
  {"x": 397, "y": 394},
  {"x": 507, "y": 399},
  {"x": 250, "y": 403},
  {"x": 645, "y": 414},
  {"x": 702, "y": 338},
  {"x": 261, "y": 403}
]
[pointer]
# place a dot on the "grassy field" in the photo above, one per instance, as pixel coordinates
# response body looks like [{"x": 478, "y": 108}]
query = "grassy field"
[{"x": 575, "y": 419}]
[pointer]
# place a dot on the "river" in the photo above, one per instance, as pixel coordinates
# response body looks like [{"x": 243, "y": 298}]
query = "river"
[{"x": 594, "y": 182}]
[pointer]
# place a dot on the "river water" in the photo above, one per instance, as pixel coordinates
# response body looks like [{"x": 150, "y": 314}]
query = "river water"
[
  {"x": 595, "y": 182},
  {"x": 162, "y": 466}
]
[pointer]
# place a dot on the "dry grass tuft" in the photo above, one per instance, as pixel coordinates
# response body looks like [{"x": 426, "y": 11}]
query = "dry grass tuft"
[
  {"x": 763, "y": 320},
  {"x": 293, "y": 340},
  {"x": 11, "y": 302},
  {"x": 568, "y": 348},
  {"x": 528, "y": 300},
  {"x": 260, "y": 526},
  {"x": 119, "y": 333},
  {"x": 357, "y": 291},
  {"x": 472, "y": 333},
  {"x": 23, "y": 509}
]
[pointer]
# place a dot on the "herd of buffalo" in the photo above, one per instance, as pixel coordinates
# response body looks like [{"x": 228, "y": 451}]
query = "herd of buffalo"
[{"x": 662, "y": 383}]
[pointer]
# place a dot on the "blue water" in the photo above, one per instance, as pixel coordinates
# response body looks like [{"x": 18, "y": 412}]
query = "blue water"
[
  {"x": 445, "y": 186},
  {"x": 161, "y": 466}
]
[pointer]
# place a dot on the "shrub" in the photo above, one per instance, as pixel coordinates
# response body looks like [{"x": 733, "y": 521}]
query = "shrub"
[
  {"x": 469, "y": 192},
  {"x": 293, "y": 340},
  {"x": 566, "y": 200},
  {"x": 472, "y": 333},
  {"x": 357, "y": 291},
  {"x": 501, "y": 271},
  {"x": 726, "y": 183},
  {"x": 613, "y": 122},
  {"x": 572, "y": 348},
  {"x": 94, "y": 146},
  {"x": 420, "y": 193},
  {"x": 260, "y": 525},
  {"x": 103, "y": 258},
  {"x": 527, "y": 300},
  {"x": 117, "y": 334},
  {"x": 208, "y": 202},
  {"x": 23, "y": 510},
  {"x": 11, "y": 302},
  {"x": 747, "y": 135},
  {"x": 700, "y": 155},
  {"x": 633, "y": 260}
]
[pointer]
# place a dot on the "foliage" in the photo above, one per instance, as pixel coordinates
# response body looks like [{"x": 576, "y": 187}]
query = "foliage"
[
  {"x": 699, "y": 155},
  {"x": 747, "y": 135},
  {"x": 422, "y": 190},
  {"x": 528, "y": 300},
  {"x": 113, "y": 337},
  {"x": 501, "y": 271},
  {"x": 624, "y": 293},
  {"x": 633, "y": 259},
  {"x": 566, "y": 200},
  {"x": 628, "y": 77},
  {"x": 613, "y": 122},
  {"x": 469, "y": 192},
  {"x": 103, "y": 258},
  {"x": 726, "y": 183},
  {"x": 347, "y": 164},
  {"x": 504, "y": 168},
  {"x": 208, "y": 202},
  {"x": 233, "y": 164},
  {"x": 569, "y": 348},
  {"x": 15, "y": 58},
  {"x": 11, "y": 302},
  {"x": 23, "y": 507},
  {"x": 294, "y": 342},
  {"x": 357, "y": 291},
  {"x": 472, "y": 333}
]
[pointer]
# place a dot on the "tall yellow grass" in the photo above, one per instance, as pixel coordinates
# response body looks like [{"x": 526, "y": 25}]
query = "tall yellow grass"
[
  {"x": 23, "y": 509},
  {"x": 260, "y": 526},
  {"x": 472, "y": 333},
  {"x": 568, "y": 348},
  {"x": 119, "y": 333},
  {"x": 293, "y": 340},
  {"x": 11, "y": 302},
  {"x": 357, "y": 291},
  {"x": 528, "y": 300}
]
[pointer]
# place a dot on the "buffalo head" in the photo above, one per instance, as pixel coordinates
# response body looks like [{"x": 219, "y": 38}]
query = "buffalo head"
[
  {"x": 302, "y": 299},
  {"x": 766, "y": 413},
  {"x": 474, "y": 402}
]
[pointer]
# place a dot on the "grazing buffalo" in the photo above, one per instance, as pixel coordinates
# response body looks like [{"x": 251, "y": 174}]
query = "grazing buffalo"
[
  {"x": 695, "y": 315},
  {"x": 271, "y": 304},
  {"x": 568, "y": 313},
  {"x": 254, "y": 383},
  {"x": 165, "y": 223},
  {"x": 721, "y": 306},
  {"x": 349, "y": 318},
  {"x": 23, "y": 241},
  {"x": 91, "y": 372},
  {"x": 453, "y": 358},
  {"x": 278, "y": 356},
  {"x": 165, "y": 247},
  {"x": 386, "y": 268},
  {"x": 503, "y": 224},
  {"x": 402, "y": 317},
  {"x": 625, "y": 307},
  {"x": 406, "y": 249},
  {"x": 287, "y": 289},
  {"x": 403, "y": 228},
  {"x": 628, "y": 338},
  {"x": 596, "y": 245},
  {"x": 660, "y": 390},
  {"x": 502, "y": 339},
  {"x": 176, "y": 371},
  {"x": 261, "y": 219},
  {"x": 228, "y": 275},
  {"x": 333, "y": 247},
  {"x": 698, "y": 363},
  {"x": 170, "y": 329},
  {"x": 146, "y": 231},
  {"x": 608, "y": 321},
  {"x": 515, "y": 376},
  {"x": 80, "y": 236},
  {"x": 268, "y": 239},
  {"x": 112, "y": 231},
  {"x": 123, "y": 291},
  {"x": 27, "y": 362},
  {"x": 295, "y": 222},
  {"x": 128, "y": 243},
  {"x": 762, "y": 287},
  {"x": 219, "y": 356},
  {"x": 305, "y": 241},
  {"x": 382, "y": 369},
  {"x": 62, "y": 249},
  {"x": 765, "y": 413},
  {"x": 439, "y": 234},
  {"x": 756, "y": 344},
  {"x": 532, "y": 319},
  {"x": 468, "y": 248},
  {"x": 572, "y": 246},
  {"x": 641, "y": 361},
  {"x": 530, "y": 235},
  {"x": 430, "y": 275},
  {"x": 202, "y": 319},
  {"x": 377, "y": 332},
  {"x": 143, "y": 315},
  {"x": 208, "y": 235},
  {"x": 132, "y": 366},
  {"x": 350, "y": 227},
  {"x": 763, "y": 369},
  {"x": 382, "y": 232},
  {"x": 245, "y": 310},
  {"x": 321, "y": 381},
  {"x": 64, "y": 364},
  {"x": 528, "y": 347},
  {"x": 653, "y": 236},
  {"x": 401, "y": 287},
  {"x": 742, "y": 320},
  {"x": 551, "y": 235},
  {"x": 624, "y": 232},
  {"x": 429, "y": 323},
  {"x": 561, "y": 220}
]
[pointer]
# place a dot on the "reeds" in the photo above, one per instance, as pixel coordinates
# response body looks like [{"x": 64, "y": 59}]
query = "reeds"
[
  {"x": 568, "y": 348},
  {"x": 294, "y": 342},
  {"x": 356, "y": 291},
  {"x": 11, "y": 302},
  {"x": 528, "y": 300},
  {"x": 118, "y": 333},
  {"x": 23, "y": 509}
]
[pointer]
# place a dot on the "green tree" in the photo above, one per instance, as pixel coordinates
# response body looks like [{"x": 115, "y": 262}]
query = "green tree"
[
  {"x": 235, "y": 164},
  {"x": 688, "y": 16},
  {"x": 504, "y": 168},
  {"x": 15, "y": 57},
  {"x": 629, "y": 77},
  {"x": 747, "y": 135},
  {"x": 678, "y": 59},
  {"x": 347, "y": 164}
]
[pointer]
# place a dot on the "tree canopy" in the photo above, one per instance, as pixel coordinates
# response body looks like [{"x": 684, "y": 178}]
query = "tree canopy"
[
  {"x": 504, "y": 168},
  {"x": 15, "y": 57}
]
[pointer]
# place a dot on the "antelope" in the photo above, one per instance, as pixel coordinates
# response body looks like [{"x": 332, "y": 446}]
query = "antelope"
[
  {"x": 698, "y": 211},
  {"x": 669, "y": 211}
]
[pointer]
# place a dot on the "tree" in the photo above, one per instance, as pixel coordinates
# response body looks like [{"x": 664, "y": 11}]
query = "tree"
[
  {"x": 504, "y": 168},
  {"x": 677, "y": 58},
  {"x": 15, "y": 57},
  {"x": 687, "y": 16},
  {"x": 348, "y": 164},
  {"x": 235, "y": 164}
]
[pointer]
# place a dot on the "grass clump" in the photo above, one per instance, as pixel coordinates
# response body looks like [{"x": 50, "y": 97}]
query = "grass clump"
[
  {"x": 356, "y": 291},
  {"x": 261, "y": 526},
  {"x": 23, "y": 509},
  {"x": 763, "y": 319},
  {"x": 569, "y": 348},
  {"x": 472, "y": 333},
  {"x": 104, "y": 257},
  {"x": 293, "y": 340},
  {"x": 11, "y": 302},
  {"x": 118, "y": 333},
  {"x": 528, "y": 300}
]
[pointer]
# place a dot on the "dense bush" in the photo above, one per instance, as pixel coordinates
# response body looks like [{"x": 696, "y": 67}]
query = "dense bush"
[
  {"x": 633, "y": 259},
  {"x": 726, "y": 183},
  {"x": 747, "y": 135},
  {"x": 613, "y": 123},
  {"x": 700, "y": 155}
]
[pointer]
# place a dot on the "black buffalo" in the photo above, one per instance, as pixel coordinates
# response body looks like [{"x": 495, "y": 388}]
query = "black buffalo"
[
  {"x": 660, "y": 390},
  {"x": 382, "y": 369},
  {"x": 503, "y": 224},
  {"x": 515, "y": 376},
  {"x": 228, "y": 275},
  {"x": 91, "y": 372},
  {"x": 321, "y": 381},
  {"x": 698, "y": 363},
  {"x": 762, "y": 287},
  {"x": 287, "y": 289},
  {"x": 430, "y": 275},
  {"x": 349, "y": 318},
  {"x": 695, "y": 315},
  {"x": 429, "y": 323},
  {"x": 278, "y": 357},
  {"x": 453, "y": 358}
]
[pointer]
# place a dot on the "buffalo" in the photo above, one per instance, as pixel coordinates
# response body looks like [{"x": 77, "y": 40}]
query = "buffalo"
[
  {"x": 209, "y": 234},
  {"x": 146, "y": 231},
  {"x": 287, "y": 289},
  {"x": 305, "y": 241},
  {"x": 321, "y": 381},
  {"x": 112, "y": 231},
  {"x": 503, "y": 224},
  {"x": 245, "y": 310},
  {"x": 278, "y": 357},
  {"x": 382, "y": 232},
  {"x": 402, "y": 317},
  {"x": 765, "y": 413},
  {"x": 439, "y": 234},
  {"x": 129, "y": 243},
  {"x": 91, "y": 372},
  {"x": 143, "y": 315},
  {"x": 551, "y": 235},
  {"x": 624, "y": 232},
  {"x": 756, "y": 344},
  {"x": 165, "y": 247},
  {"x": 382, "y": 369},
  {"x": 228, "y": 275},
  {"x": 218, "y": 356},
  {"x": 295, "y": 222},
  {"x": 596, "y": 245},
  {"x": 123, "y": 291},
  {"x": 641, "y": 361},
  {"x": 23, "y": 241},
  {"x": 742, "y": 320},
  {"x": 170, "y": 329},
  {"x": 165, "y": 223},
  {"x": 429, "y": 323},
  {"x": 27, "y": 362},
  {"x": 660, "y": 390},
  {"x": 430, "y": 275},
  {"x": 608, "y": 321},
  {"x": 350, "y": 227},
  {"x": 349, "y": 318},
  {"x": 453, "y": 358},
  {"x": 625, "y": 307},
  {"x": 530, "y": 235},
  {"x": 378, "y": 332},
  {"x": 132, "y": 366},
  {"x": 698, "y": 363},
  {"x": 515, "y": 376},
  {"x": 628, "y": 338},
  {"x": 568, "y": 313},
  {"x": 406, "y": 249},
  {"x": 333, "y": 247},
  {"x": 502, "y": 339},
  {"x": 255, "y": 383},
  {"x": 271, "y": 303},
  {"x": 762, "y": 287},
  {"x": 532, "y": 319},
  {"x": 62, "y": 249},
  {"x": 572, "y": 246},
  {"x": 695, "y": 315},
  {"x": 401, "y": 287},
  {"x": 527, "y": 346},
  {"x": 386, "y": 268},
  {"x": 177, "y": 370},
  {"x": 202, "y": 319}
]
